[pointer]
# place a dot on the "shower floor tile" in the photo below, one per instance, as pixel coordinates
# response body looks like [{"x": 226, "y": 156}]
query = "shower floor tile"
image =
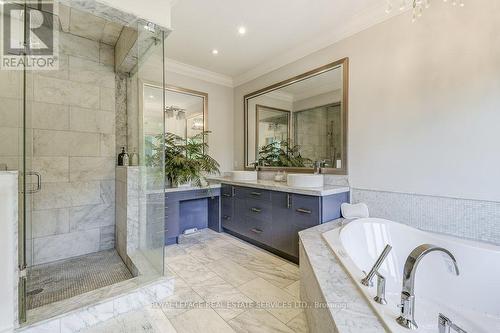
[{"x": 64, "y": 279}]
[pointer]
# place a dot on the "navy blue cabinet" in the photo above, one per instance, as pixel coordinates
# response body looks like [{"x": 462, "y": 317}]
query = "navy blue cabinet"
[{"x": 272, "y": 219}]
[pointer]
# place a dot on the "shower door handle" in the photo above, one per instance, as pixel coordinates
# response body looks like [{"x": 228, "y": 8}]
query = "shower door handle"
[{"x": 38, "y": 182}]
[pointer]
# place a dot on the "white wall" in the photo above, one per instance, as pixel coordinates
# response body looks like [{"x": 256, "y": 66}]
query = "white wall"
[
  {"x": 8, "y": 221},
  {"x": 156, "y": 11},
  {"x": 220, "y": 116},
  {"x": 424, "y": 102}
]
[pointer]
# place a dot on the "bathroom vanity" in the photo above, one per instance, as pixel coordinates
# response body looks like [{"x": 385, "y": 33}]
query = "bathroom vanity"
[{"x": 270, "y": 215}]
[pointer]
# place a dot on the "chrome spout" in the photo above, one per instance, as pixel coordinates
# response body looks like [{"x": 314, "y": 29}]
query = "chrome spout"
[
  {"x": 367, "y": 280},
  {"x": 407, "y": 317}
]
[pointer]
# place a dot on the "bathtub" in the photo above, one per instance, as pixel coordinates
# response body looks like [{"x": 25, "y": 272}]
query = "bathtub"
[{"x": 471, "y": 300}]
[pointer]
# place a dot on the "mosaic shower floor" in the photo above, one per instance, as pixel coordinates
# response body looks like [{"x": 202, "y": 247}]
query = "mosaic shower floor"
[{"x": 63, "y": 279}]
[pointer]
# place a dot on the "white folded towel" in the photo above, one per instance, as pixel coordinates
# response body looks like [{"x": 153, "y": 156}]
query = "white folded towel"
[{"x": 354, "y": 211}]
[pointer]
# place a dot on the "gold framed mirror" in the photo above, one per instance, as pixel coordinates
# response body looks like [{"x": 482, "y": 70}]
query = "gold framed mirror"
[{"x": 300, "y": 122}]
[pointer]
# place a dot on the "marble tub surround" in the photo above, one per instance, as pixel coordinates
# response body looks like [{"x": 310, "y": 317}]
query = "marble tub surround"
[
  {"x": 324, "y": 280},
  {"x": 283, "y": 187},
  {"x": 470, "y": 219},
  {"x": 212, "y": 272}
]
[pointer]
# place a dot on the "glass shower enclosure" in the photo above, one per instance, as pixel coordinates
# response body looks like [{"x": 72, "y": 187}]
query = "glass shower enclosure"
[{"x": 84, "y": 223}]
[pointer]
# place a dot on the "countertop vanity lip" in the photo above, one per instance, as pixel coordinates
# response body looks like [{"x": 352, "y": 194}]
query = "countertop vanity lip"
[
  {"x": 184, "y": 189},
  {"x": 283, "y": 187}
]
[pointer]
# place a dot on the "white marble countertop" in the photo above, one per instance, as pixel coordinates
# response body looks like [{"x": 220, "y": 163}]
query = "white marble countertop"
[
  {"x": 183, "y": 189},
  {"x": 283, "y": 187},
  {"x": 336, "y": 285}
]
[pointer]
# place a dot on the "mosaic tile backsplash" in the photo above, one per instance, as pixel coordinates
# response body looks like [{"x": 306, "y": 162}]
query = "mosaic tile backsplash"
[{"x": 471, "y": 219}]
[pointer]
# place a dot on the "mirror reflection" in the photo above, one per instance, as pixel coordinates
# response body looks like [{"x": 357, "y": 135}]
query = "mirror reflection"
[{"x": 299, "y": 123}]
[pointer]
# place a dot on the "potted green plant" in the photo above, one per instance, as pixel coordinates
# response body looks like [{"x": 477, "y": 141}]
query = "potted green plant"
[
  {"x": 186, "y": 160},
  {"x": 281, "y": 154}
]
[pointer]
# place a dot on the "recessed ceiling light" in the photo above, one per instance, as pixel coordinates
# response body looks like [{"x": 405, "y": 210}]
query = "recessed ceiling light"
[
  {"x": 242, "y": 30},
  {"x": 215, "y": 52}
]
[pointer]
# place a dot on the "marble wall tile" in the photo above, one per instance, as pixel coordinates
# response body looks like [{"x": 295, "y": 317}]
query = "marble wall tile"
[
  {"x": 51, "y": 248},
  {"x": 107, "y": 55},
  {"x": 51, "y": 169},
  {"x": 78, "y": 46},
  {"x": 91, "y": 168},
  {"x": 52, "y": 196},
  {"x": 88, "y": 71},
  {"x": 107, "y": 240},
  {"x": 121, "y": 111},
  {"x": 64, "y": 17},
  {"x": 65, "y": 143},
  {"x": 86, "y": 25},
  {"x": 51, "y": 90},
  {"x": 471, "y": 219},
  {"x": 49, "y": 116},
  {"x": 91, "y": 217},
  {"x": 9, "y": 138},
  {"x": 50, "y": 222},
  {"x": 62, "y": 71},
  {"x": 11, "y": 84},
  {"x": 85, "y": 193},
  {"x": 107, "y": 145},
  {"x": 107, "y": 188},
  {"x": 10, "y": 112},
  {"x": 111, "y": 33},
  {"x": 107, "y": 99}
]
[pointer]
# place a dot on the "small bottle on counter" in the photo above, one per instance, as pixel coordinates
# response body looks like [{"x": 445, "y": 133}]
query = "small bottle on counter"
[
  {"x": 134, "y": 158},
  {"x": 123, "y": 159}
]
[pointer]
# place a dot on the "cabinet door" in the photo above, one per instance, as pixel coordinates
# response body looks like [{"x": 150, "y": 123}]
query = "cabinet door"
[
  {"x": 227, "y": 206},
  {"x": 282, "y": 226},
  {"x": 306, "y": 211}
]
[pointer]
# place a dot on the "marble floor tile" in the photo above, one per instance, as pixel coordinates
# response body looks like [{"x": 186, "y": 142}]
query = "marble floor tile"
[
  {"x": 299, "y": 323},
  {"x": 201, "y": 320},
  {"x": 258, "y": 321},
  {"x": 206, "y": 253},
  {"x": 226, "y": 300},
  {"x": 180, "y": 302},
  {"x": 277, "y": 301},
  {"x": 231, "y": 272},
  {"x": 277, "y": 275},
  {"x": 148, "y": 320},
  {"x": 191, "y": 270},
  {"x": 294, "y": 289}
]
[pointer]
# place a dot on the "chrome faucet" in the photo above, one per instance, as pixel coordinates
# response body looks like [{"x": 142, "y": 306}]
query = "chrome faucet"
[
  {"x": 367, "y": 281},
  {"x": 317, "y": 167},
  {"x": 445, "y": 325},
  {"x": 407, "y": 317}
]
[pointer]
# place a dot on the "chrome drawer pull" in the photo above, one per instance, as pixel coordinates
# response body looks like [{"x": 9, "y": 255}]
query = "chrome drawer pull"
[
  {"x": 257, "y": 194},
  {"x": 257, "y": 231},
  {"x": 256, "y": 210},
  {"x": 226, "y": 195},
  {"x": 305, "y": 211},
  {"x": 288, "y": 201},
  {"x": 225, "y": 217}
]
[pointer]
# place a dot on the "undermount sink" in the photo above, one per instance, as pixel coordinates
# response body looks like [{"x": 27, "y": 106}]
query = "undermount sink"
[
  {"x": 244, "y": 175},
  {"x": 304, "y": 180}
]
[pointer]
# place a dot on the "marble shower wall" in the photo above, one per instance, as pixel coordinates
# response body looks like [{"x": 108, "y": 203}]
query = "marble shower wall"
[{"x": 74, "y": 149}]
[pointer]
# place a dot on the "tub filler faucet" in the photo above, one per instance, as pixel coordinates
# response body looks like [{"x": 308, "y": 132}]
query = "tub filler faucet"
[
  {"x": 407, "y": 317},
  {"x": 367, "y": 281}
]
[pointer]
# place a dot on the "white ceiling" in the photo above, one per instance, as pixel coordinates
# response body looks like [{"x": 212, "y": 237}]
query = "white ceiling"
[{"x": 278, "y": 31}]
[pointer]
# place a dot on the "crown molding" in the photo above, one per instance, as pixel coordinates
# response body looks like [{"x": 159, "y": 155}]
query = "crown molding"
[
  {"x": 178, "y": 67},
  {"x": 360, "y": 22}
]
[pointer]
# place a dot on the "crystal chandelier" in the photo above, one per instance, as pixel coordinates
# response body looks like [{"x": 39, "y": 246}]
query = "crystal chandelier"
[{"x": 417, "y": 6}]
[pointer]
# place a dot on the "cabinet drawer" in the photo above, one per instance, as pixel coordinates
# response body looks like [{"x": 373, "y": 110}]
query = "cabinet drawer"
[
  {"x": 306, "y": 210},
  {"x": 259, "y": 210},
  {"x": 253, "y": 193},
  {"x": 226, "y": 191},
  {"x": 260, "y": 231},
  {"x": 236, "y": 220}
]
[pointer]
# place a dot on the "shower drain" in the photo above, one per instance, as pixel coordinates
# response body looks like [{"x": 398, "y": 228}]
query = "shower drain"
[{"x": 34, "y": 292}]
